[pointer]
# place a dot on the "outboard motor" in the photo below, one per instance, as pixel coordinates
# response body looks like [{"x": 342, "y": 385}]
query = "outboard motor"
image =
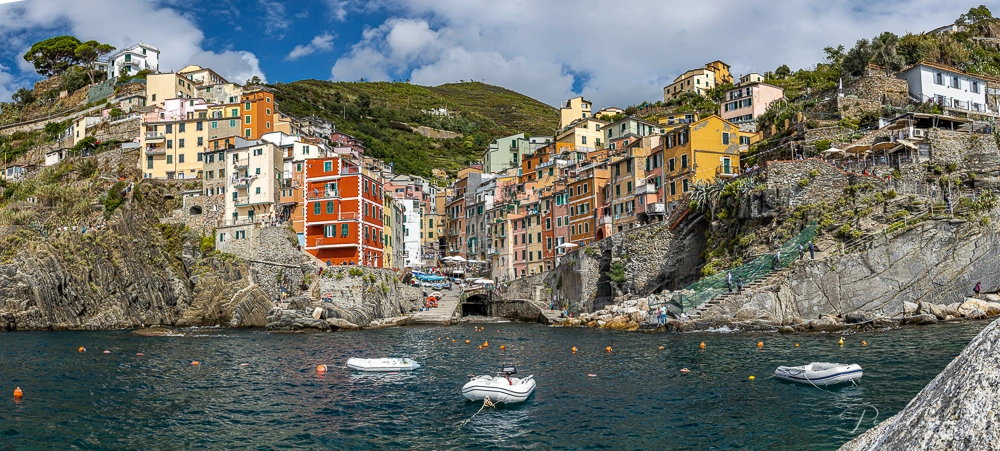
[{"x": 507, "y": 369}]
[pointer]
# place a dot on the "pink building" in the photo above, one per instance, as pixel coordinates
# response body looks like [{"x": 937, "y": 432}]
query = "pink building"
[{"x": 746, "y": 102}]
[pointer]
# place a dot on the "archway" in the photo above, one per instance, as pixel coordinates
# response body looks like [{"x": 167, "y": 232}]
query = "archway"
[
  {"x": 600, "y": 234},
  {"x": 195, "y": 210},
  {"x": 476, "y": 304}
]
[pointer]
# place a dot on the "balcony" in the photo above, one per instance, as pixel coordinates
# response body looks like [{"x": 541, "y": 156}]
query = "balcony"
[
  {"x": 156, "y": 151},
  {"x": 333, "y": 242},
  {"x": 492, "y": 251},
  {"x": 347, "y": 216},
  {"x": 648, "y": 188},
  {"x": 241, "y": 163},
  {"x": 242, "y": 201},
  {"x": 316, "y": 194},
  {"x": 605, "y": 220},
  {"x": 155, "y": 137},
  {"x": 656, "y": 208},
  {"x": 726, "y": 171}
]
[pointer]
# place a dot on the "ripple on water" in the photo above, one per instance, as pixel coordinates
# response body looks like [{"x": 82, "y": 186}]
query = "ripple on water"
[{"x": 638, "y": 398}]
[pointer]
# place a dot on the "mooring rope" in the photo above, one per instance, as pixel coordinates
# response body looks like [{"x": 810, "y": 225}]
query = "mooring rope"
[{"x": 486, "y": 403}]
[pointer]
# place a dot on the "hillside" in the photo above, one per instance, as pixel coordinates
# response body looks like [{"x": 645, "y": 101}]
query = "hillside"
[{"x": 374, "y": 112}]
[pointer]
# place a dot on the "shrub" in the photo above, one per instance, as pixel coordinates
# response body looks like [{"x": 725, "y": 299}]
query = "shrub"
[
  {"x": 114, "y": 199},
  {"x": 823, "y": 144},
  {"x": 73, "y": 79},
  {"x": 814, "y": 173},
  {"x": 804, "y": 183},
  {"x": 617, "y": 273},
  {"x": 207, "y": 243},
  {"x": 355, "y": 272}
]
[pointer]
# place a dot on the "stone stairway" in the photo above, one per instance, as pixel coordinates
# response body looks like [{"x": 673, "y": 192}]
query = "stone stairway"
[{"x": 696, "y": 313}]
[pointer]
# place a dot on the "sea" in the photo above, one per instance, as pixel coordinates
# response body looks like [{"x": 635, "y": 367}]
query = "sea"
[{"x": 255, "y": 390}]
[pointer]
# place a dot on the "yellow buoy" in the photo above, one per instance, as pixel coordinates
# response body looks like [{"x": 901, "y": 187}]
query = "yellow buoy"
[
  {"x": 452, "y": 341},
  {"x": 864, "y": 343},
  {"x": 752, "y": 378},
  {"x": 196, "y": 362},
  {"x": 702, "y": 345},
  {"x": 439, "y": 338},
  {"x": 574, "y": 349},
  {"x": 796, "y": 345},
  {"x": 760, "y": 344},
  {"x": 486, "y": 344},
  {"x": 841, "y": 342},
  {"x": 661, "y": 348},
  {"x": 467, "y": 342}
]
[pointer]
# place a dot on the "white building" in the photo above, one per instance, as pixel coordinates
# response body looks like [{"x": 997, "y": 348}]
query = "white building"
[
  {"x": 53, "y": 157},
  {"x": 411, "y": 232},
  {"x": 133, "y": 59},
  {"x": 946, "y": 86}
]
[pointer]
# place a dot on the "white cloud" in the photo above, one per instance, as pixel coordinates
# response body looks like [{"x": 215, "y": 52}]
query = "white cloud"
[
  {"x": 177, "y": 36},
  {"x": 7, "y": 87},
  {"x": 321, "y": 43},
  {"x": 275, "y": 17},
  {"x": 615, "y": 53}
]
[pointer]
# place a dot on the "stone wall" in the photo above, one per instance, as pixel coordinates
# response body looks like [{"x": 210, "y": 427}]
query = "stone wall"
[
  {"x": 878, "y": 86},
  {"x": 784, "y": 178},
  {"x": 517, "y": 310},
  {"x": 957, "y": 147},
  {"x": 274, "y": 261},
  {"x": 850, "y": 106},
  {"x": 364, "y": 294},
  {"x": 434, "y": 133},
  {"x": 653, "y": 256},
  {"x": 202, "y": 213},
  {"x": 124, "y": 130},
  {"x": 937, "y": 262}
]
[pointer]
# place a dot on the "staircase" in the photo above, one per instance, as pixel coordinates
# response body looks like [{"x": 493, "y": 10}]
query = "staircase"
[{"x": 696, "y": 313}]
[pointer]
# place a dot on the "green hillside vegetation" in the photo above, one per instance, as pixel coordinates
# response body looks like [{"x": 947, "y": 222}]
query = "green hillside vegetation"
[{"x": 375, "y": 112}]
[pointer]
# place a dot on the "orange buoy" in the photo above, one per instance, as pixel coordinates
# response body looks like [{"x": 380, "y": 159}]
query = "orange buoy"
[
  {"x": 480, "y": 347},
  {"x": 486, "y": 344},
  {"x": 452, "y": 341},
  {"x": 574, "y": 349},
  {"x": 439, "y": 338},
  {"x": 608, "y": 349},
  {"x": 321, "y": 368},
  {"x": 466, "y": 341},
  {"x": 796, "y": 345},
  {"x": 18, "y": 393},
  {"x": 139, "y": 354},
  {"x": 864, "y": 343},
  {"x": 82, "y": 349},
  {"x": 685, "y": 370},
  {"x": 661, "y": 348},
  {"x": 195, "y": 362},
  {"x": 760, "y": 344},
  {"x": 702, "y": 345},
  {"x": 503, "y": 347}
]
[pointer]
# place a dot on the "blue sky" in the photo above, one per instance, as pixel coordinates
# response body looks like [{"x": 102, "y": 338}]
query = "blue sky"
[{"x": 614, "y": 53}]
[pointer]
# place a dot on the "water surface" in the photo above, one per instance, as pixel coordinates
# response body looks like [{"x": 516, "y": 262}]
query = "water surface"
[{"x": 638, "y": 399}]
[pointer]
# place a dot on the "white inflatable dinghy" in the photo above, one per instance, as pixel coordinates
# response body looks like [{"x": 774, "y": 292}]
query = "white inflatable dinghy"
[
  {"x": 818, "y": 373},
  {"x": 391, "y": 364},
  {"x": 500, "y": 388}
]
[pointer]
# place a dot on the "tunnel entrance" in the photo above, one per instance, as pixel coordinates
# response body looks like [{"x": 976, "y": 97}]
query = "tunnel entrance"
[{"x": 476, "y": 305}]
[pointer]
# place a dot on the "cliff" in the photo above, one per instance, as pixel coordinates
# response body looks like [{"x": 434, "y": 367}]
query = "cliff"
[{"x": 958, "y": 410}]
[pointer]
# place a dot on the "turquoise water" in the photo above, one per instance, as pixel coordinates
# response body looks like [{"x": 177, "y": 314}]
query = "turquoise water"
[{"x": 639, "y": 399}]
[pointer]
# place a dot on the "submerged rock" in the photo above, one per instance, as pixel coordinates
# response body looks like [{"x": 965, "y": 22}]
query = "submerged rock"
[{"x": 958, "y": 410}]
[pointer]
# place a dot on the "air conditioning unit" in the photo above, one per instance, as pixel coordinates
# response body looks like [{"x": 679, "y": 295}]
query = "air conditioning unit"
[{"x": 919, "y": 133}]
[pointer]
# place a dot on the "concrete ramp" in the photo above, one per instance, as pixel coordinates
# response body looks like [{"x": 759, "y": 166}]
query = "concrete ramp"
[{"x": 442, "y": 315}]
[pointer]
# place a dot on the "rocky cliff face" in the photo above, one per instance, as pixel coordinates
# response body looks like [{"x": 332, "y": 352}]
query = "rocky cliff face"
[
  {"x": 958, "y": 410},
  {"x": 937, "y": 262}
]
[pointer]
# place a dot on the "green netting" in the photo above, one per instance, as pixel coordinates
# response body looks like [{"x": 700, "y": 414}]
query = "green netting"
[{"x": 758, "y": 268}]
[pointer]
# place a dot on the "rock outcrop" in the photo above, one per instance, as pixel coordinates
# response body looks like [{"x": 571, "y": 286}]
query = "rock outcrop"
[{"x": 958, "y": 410}]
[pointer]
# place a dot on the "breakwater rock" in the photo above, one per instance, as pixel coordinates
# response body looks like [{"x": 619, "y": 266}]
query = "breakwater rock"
[{"x": 958, "y": 410}]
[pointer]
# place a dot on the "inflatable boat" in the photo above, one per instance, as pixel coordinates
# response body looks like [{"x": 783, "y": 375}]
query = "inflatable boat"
[
  {"x": 500, "y": 388},
  {"x": 818, "y": 373},
  {"x": 393, "y": 364}
]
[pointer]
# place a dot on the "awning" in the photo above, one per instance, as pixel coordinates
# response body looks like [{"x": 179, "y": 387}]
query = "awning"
[
  {"x": 906, "y": 143},
  {"x": 567, "y": 246},
  {"x": 886, "y": 145},
  {"x": 857, "y": 148}
]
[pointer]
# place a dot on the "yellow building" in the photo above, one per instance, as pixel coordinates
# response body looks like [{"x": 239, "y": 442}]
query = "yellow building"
[
  {"x": 202, "y": 75},
  {"x": 572, "y": 110},
  {"x": 699, "y": 80},
  {"x": 700, "y": 152},
  {"x": 160, "y": 87},
  {"x": 628, "y": 175},
  {"x": 583, "y": 136}
]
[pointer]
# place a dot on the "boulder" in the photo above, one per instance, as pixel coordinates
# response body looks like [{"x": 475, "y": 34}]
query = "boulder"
[
  {"x": 972, "y": 305},
  {"x": 993, "y": 308},
  {"x": 786, "y": 329},
  {"x": 317, "y": 313},
  {"x": 909, "y": 308},
  {"x": 299, "y": 302},
  {"x": 922, "y": 319},
  {"x": 931, "y": 309},
  {"x": 341, "y": 324},
  {"x": 592, "y": 324},
  {"x": 825, "y": 324},
  {"x": 856, "y": 317}
]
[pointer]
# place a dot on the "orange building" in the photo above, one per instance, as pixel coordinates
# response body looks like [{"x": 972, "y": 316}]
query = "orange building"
[
  {"x": 259, "y": 113},
  {"x": 343, "y": 213}
]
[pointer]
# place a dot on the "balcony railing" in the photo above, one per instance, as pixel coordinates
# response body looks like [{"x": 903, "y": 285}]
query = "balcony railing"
[
  {"x": 727, "y": 171},
  {"x": 324, "y": 194},
  {"x": 605, "y": 220},
  {"x": 150, "y": 136},
  {"x": 646, "y": 189},
  {"x": 241, "y": 201},
  {"x": 155, "y": 151},
  {"x": 333, "y": 242},
  {"x": 656, "y": 208},
  {"x": 242, "y": 163}
]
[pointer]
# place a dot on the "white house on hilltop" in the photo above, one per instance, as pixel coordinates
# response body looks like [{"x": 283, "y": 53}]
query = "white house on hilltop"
[
  {"x": 946, "y": 86},
  {"x": 133, "y": 59}
]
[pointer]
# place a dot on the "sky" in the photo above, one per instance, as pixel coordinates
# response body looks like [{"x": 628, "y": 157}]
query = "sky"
[{"x": 614, "y": 53}]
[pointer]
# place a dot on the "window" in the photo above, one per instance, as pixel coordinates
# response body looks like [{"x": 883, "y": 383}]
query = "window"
[
  {"x": 684, "y": 183},
  {"x": 199, "y": 126},
  {"x": 330, "y": 231},
  {"x": 329, "y": 207},
  {"x": 586, "y": 187},
  {"x": 170, "y": 128},
  {"x": 975, "y": 87},
  {"x": 180, "y": 158},
  {"x": 673, "y": 188},
  {"x": 573, "y": 230},
  {"x": 344, "y": 230},
  {"x": 215, "y": 125},
  {"x": 180, "y": 143},
  {"x": 235, "y": 112},
  {"x": 154, "y": 97},
  {"x": 170, "y": 159},
  {"x": 201, "y": 141},
  {"x": 246, "y": 106},
  {"x": 268, "y": 111},
  {"x": 149, "y": 162},
  {"x": 232, "y": 123},
  {"x": 170, "y": 144},
  {"x": 938, "y": 78},
  {"x": 725, "y": 138},
  {"x": 246, "y": 119},
  {"x": 247, "y": 133},
  {"x": 257, "y": 171},
  {"x": 316, "y": 208},
  {"x": 257, "y": 190},
  {"x": 684, "y": 161},
  {"x": 548, "y": 223},
  {"x": 327, "y": 166},
  {"x": 954, "y": 81}
]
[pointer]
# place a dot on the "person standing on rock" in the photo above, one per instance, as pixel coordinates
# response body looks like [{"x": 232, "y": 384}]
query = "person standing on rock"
[
  {"x": 729, "y": 281},
  {"x": 777, "y": 259},
  {"x": 739, "y": 285},
  {"x": 802, "y": 251},
  {"x": 976, "y": 289},
  {"x": 812, "y": 251}
]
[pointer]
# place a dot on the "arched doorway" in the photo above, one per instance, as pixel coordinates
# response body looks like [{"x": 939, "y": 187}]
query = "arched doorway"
[
  {"x": 195, "y": 210},
  {"x": 600, "y": 234},
  {"x": 476, "y": 304}
]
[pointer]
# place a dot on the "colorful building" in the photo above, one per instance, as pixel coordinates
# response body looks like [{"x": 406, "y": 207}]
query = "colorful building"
[
  {"x": 746, "y": 102},
  {"x": 343, "y": 213},
  {"x": 573, "y": 110},
  {"x": 698, "y": 81},
  {"x": 585, "y": 189},
  {"x": 582, "y": 137},
  {"x": 699, "y": 152}
]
